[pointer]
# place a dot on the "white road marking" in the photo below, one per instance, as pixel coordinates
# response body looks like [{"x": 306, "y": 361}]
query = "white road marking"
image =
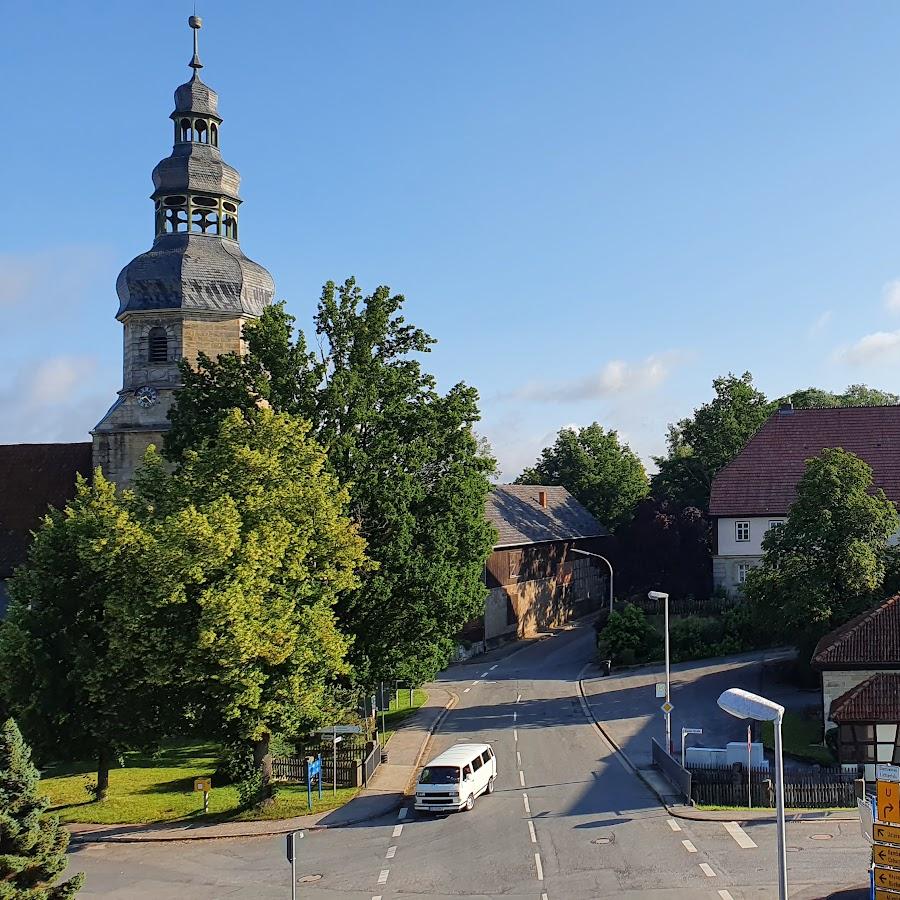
[
  {"x": 515, "y": 734},
  {"x": 525, "y": 801},
  {"x": 515, "y": 716},
  {"x": 402, "y": 813},
  {"x": 398, "y": 830},
  {"x": 377, "y": 898},
  {"x": 531, "y": 832},
  {"x": 518, "y": 758},
  {"x": 466, "y": 691},
  {"x": 707, "y": 870},
  {"x": 744, "y": 841},
  {"x": 725, "y": 895},
  {"x": 540, "y": 868},
  {"x": 518, "y": 698},
  {"x": 484, "y": 674},
  {"x": 382, "y": 878},
  {"x": 673, "y": 825},
  {"x": 391, "y": 853},
  {"x": 476, "y": 681},
  {"x": 543, "y": 897},
  {"x": 494, "y": 666},
  {"x": 689, "y": 847},
  {"x": 521, "y": 778}
]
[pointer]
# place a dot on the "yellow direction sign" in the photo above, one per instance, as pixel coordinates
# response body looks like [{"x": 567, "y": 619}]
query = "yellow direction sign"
[
  {"x": 886, "y": 895},
  {"x": 889, "y": 801},
  {"x": 885, "y": 834},
  {"x": 886, "y": 856},
  {"x": 203, "y": 784},
  {"x": 886, "y": 878}
]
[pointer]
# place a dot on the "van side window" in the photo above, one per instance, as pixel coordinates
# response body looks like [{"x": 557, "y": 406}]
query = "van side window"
[
  {"x": 477, "y": 763},
  {"x": 486, "y": 756},
  {"x": 467, "y": 771}
]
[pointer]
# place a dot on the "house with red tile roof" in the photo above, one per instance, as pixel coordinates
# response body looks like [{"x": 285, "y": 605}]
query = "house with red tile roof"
[
  {"x": 860, "y": 666},
  {"x": 754, "y": 492}
]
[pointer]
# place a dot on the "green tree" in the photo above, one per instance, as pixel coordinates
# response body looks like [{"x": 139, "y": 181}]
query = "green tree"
[
  {"x": 62, "y": 672},
  {"x": 827, "y": 562},
  {"x": 32, "y": 845},
  {"x": 250, "y": 548},
  {"x": 599, "y": 471},
  {"x": 700, "y": 446},
  {"x": 854, "y": 395},
  {"x": 418, "y": 478}
]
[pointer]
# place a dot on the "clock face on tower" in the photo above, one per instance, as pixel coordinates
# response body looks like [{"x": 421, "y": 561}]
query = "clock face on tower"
[{"x": 146, "y": 396}]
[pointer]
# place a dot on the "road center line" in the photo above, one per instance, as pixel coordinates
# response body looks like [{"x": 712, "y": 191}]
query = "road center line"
[
  {"x": 494, "y": 666},
  {"x": 382, "y": 878},
  {"x": 398, "y": 830},
  {"x": 689, "y": 847},
  {"x": 518, "y": 758},
  {"x": 515, "y": 716},
  {"x": 543, "y": 897},
  {"x": 521, "y": 778},
  {"x": 466, "y": 691},
  {"x": 402, "y": 814},
  {"x": 527, "y": 806},
  {"x": 391, "y": 853},
  {"x": 515, "y": 734},
  {"x": 518, "y": 698},
  {"x": 673, "y": 825},
  {"x": 377, "y": 898},
  {"x": 540, "y": 868},
  {"x": 725, "y": 895},
  {"x": 707, "y": 870},
  {"x": 476, "y": 681},
  {"x": 484, "y": 674},
  {"x": 744, "y": 841},
  {"x": 531, "y": 832}
]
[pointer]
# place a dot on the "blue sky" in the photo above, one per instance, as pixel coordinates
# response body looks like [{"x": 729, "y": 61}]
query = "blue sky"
[{"x": 595, "y": 207}]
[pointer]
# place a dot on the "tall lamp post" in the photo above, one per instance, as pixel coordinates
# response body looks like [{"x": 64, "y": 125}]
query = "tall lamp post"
[
  {"x": 744, "y": 705},
  {"x": 598, "y": 556},
  {"x": 659, "y": 595}
]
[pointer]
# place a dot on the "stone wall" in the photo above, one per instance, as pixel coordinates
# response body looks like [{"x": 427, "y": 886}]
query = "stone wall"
[
  {"x": 119, "y": 453},
  {"x": 212, "y": 336}
]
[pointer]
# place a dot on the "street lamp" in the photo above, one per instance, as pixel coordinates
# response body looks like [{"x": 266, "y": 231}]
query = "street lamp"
[
  {"x": 598, "y": 556},
  {"x": 744, "y": 705},
  {"x": 659, "y": 595}
]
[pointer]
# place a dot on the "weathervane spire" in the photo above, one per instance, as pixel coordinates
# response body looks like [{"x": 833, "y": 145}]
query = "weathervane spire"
[{"x": 196, "y": 24}]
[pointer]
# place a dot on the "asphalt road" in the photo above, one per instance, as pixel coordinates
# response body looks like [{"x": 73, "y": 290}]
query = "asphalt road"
[{"x": 567, "y": 822}]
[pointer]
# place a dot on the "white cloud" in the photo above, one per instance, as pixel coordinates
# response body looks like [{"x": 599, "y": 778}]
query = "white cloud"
[
  {"x": 890, "y": 296},
  {"x": 54, "y": 379},
  {"x": 821, "y": 323},
  {"x": 50, "y": 278},
  {"x": 879, "y": 347},
  {"x": 616, "y": 378}
]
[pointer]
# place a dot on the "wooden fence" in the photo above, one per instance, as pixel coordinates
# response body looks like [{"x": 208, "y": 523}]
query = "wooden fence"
[
  {"x": 803, "y": 789},
  {"x": 349, "y": 768}
]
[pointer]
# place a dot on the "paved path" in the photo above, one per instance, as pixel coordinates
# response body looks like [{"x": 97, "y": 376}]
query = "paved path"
[{"x": 568, "y": 822}]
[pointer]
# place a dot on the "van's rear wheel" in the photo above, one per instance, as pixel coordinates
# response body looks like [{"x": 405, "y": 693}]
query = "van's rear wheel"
[
  {"x": 490, "y": 787},
  {"x": 470, "y": 803}
]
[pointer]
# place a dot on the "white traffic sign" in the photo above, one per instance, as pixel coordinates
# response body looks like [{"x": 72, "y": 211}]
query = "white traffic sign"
[
  {"x": 341, "y": 729},
  {"x": 667, "y": 707},
  {"x": 887, "y": 773},
  {"x": 660, "y": 690}
]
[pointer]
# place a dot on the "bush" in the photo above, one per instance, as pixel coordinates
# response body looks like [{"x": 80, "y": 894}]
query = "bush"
[{"x": 629, "y": 638}]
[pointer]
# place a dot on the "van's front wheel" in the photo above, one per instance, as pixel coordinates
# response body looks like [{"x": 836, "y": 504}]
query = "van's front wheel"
[
  {"x": 490, "y": 785},
  {"x": 470, "y": 803}
]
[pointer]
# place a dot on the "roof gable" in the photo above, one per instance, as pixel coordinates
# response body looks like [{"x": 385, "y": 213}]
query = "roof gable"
[
  {"x": 516, "y": 512},
  {"x": 871, "y": 640},
  {"x": 877, "y": 699},
  {"x": 762, "y": 479}
]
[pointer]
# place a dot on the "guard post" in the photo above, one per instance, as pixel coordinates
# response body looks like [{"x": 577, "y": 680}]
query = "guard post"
[
  {"x": 291, "y": 842},
  {"x": 205, "y": 785}
]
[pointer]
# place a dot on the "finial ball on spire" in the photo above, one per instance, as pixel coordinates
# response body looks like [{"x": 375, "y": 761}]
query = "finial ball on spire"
[{"x": 195, "y": 21}]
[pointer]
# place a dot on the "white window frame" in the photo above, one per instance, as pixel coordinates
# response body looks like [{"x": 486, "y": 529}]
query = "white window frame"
[
  {"x": 776, "y": 523},
  {"x": 743, "y": 570},
  {"x": 742, "y": 526}
]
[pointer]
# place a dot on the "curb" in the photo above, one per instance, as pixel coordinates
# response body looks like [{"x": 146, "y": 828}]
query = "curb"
[
  {"x": 816, "y": 816},
  {"x": 277, "y": 824}
]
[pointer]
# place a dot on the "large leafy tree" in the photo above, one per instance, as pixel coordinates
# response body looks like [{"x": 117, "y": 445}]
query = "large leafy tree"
[
  {"x": 828, "y": 561},
  {"x": 599, "y": 471},
  {"x": 32, "y": 845},
  {"x": 418, "y": 478},
  {"x": 251, "y": 547},
  {"x": 854, "y": 395},
  {"x": 700, "y": 446},
  {"x": 65, "y": 670}
]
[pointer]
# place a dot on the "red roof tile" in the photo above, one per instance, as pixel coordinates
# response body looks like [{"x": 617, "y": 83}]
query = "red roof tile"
[
  {"x": 762, "y": 480},
  {"x": 869, "y": 641},
  {"x": 877, "y": 699}
]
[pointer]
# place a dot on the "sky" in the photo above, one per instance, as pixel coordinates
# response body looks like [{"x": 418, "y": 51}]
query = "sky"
[{"x": 594, "y": 207}]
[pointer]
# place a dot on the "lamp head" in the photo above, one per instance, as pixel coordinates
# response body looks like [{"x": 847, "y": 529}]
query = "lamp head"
[
  {"x": 743, "y": 705},
  {"x": 658, "y": 595}
]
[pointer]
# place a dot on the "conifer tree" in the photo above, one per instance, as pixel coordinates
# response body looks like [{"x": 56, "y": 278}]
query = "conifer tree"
[{"x": 32, "y": 845}]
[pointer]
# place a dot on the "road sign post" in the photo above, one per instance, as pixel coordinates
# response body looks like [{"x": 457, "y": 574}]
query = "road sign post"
[
  {"x": 291, "y": 852},
  {"x": 205, "y": 785}
]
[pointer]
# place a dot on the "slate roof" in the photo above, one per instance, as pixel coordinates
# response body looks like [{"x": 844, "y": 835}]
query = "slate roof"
[
  {"x": 515, "y": 511},
  {"x": 869, "y": 641},
  {"x": 762, "y": 480},
  {"x": 33, "y": 477},
  {"x": 877, "y": 699}
]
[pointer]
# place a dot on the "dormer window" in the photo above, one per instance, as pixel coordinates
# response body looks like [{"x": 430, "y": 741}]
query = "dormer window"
[{"x": 158, "y": 345}]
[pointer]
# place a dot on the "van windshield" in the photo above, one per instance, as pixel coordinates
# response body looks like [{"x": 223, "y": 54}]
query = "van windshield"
[{"x": 439, "y": 775}]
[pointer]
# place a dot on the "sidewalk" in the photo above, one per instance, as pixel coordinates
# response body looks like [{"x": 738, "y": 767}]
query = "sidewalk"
[
  {"x": 626, "y": 712},
  {"x": 384, "y": 795}
]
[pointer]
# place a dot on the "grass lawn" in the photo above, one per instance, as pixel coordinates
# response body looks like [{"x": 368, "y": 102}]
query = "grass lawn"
[
  {"x": 802, "y": 738},
  {"x": 159, "y": 788},
  {"x": 401, "y": 711}
]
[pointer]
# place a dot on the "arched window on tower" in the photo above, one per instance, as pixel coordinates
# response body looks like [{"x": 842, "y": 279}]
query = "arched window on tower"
[
  {"x": 185, "y": 128},
  {"x": 157, "y": 345},
  {"x": 200, "y": 127},
  {"x": 214, "y": 134}
]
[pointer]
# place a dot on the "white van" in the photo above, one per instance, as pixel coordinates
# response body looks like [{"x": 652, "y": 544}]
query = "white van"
[{"x": 456, "y": 777}]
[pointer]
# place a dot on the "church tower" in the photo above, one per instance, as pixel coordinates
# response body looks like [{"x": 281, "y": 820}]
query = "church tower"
[{"x": 191, "y": 292}]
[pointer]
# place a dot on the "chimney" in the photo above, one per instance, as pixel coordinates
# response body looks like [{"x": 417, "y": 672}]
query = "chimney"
[{"x": 542, "y": 498}]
